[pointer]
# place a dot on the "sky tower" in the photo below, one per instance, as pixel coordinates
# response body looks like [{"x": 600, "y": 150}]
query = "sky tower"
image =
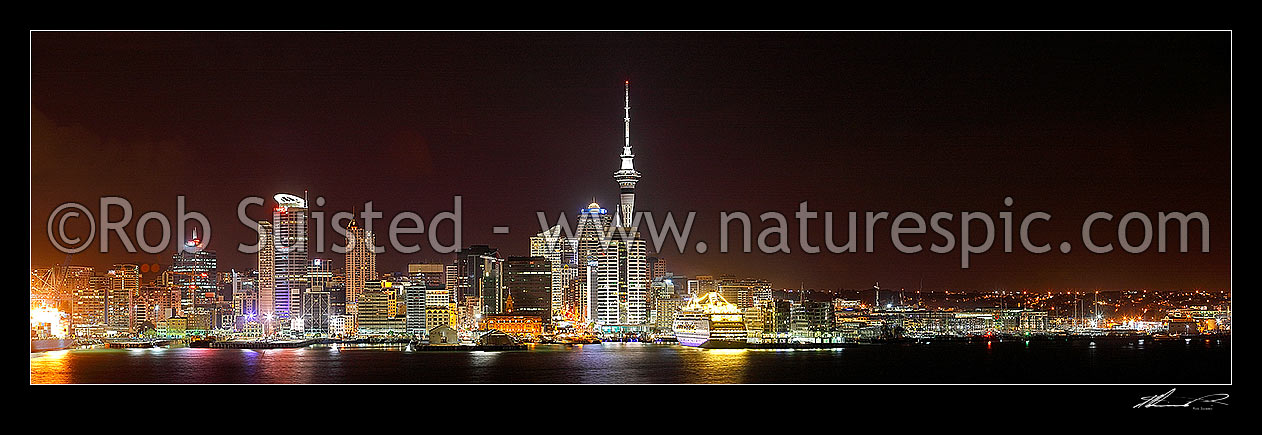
[{"x": 627, "y": 175}]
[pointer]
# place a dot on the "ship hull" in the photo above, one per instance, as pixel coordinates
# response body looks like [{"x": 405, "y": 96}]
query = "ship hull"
[
  {"x": 722, "y": 344},
  {"x": 702, "y": 340}
]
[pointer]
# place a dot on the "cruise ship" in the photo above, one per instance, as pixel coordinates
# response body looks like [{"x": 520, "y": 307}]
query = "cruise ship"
[{"x": 710, "y": 322}]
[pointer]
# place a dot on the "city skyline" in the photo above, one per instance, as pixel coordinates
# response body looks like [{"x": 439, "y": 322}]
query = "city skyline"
[
  {"x": 941, "y": 210},
  {"x": 413, "y": 153}
]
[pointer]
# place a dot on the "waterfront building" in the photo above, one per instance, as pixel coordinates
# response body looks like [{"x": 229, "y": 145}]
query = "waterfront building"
[
  {"x": 812, "y": 321},
  {"x": 338, "y": 326},
  {"x": 593, "y": 232},
  {"x": 622, "y": 286},
  {"x": 665, "y": 309},
  {"x": 438, "y": 308},
  {"x": 194, "y": 270},
  {"x": 245, "y": 299},
  {"x": 172, "y": 327},
  {"x": 1034, "y": 322},
  {"x": 153, "y": 302},
  {"x": 528, "y": 286},
  {"x": 289, "y": 236},
  {"x": 562, "y": 255},
  {"x": 88, "y": 315},
  {"x": 266, "y": 280},
  {"x": 480, "y": 275},
  {"x": 378, "y": 310},
  {"x": 315, "y": 311},
  {"x": 520, "y": 327},
  {"x": 443, "y": 334},
  {"x": 417, "y": 307},
  {"x": 124, "y": 281}
]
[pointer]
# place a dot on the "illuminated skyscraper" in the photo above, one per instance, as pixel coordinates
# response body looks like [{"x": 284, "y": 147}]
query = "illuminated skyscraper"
[
  {"x": 593, "y": 230},
  {"x": 315, "y": 311},
  {"x": 528, "y": 285},
  {"x": 124, "y": 282},
  {"x": 657, "y": 268},
  {"x": 317, "y": 299},
  {"x": 622, "y": 283},
  {"x": 562, "y": 255},
  {"x": 481, "y": 277},
  {"x": 245, "y": 299},
  {"x": 320, "y": 273},
  {"x": 361, "y": 261},
  {"x": 379, "y": 312},
  {"x": 289, "y": 226},
  {"x": 193, "y": 272},
  {"x": 90, "y": 306},
  {"x": 152, "y": 303},
  {"x": 266, "y": 282}
]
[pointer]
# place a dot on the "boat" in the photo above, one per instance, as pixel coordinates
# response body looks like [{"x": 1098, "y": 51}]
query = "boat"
[{"x": 710, "y": 322}]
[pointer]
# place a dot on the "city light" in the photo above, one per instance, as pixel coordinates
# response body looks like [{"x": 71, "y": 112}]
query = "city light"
[{"x": 962, "y": 144}]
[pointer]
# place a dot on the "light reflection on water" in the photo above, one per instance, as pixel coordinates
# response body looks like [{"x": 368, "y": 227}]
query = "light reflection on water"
[
  {"x": 50, "y": 367},
  {"x": 998, "y": 362}
]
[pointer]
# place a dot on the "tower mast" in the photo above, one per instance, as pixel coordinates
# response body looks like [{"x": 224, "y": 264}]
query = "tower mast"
[{"x": 627, "y": 176}]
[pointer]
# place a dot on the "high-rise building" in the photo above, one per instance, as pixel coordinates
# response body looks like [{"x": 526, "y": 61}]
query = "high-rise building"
[
  {"x": 439, "y": 311},
  {"x": 452, "y": 276},
  {"x": 528, "y": 284},
  {"x": 664, "y": 310},
  {"x": 193, "y": 273},
  {"x": 289, "y": 226},
  {"x": 88, "y": 316},
  {"x": 245, "y": 299},
  {"x": 662, "y": 288},
  {"x": 361, "y": 261},
  {"x": 480, "y": 276},
  {"x": 657, "y": 268},
  {"x": 378, "y": 310},
  {"x": 562, "y": 255},
  {"x": 152, "y": 303},
  {"x": 124, "y": 282},
  {"x": 320, "y": 273},
  {"x": 593, "y": 232},
  {"x": 266, "y": 280},
  {"x": 417, "y": 309},
  {"x": 622, "y": 284},
  {"x": 315, "y": 311}
]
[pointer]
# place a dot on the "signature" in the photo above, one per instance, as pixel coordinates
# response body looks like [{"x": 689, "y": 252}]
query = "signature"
[{"x": 1168, "y": 400}]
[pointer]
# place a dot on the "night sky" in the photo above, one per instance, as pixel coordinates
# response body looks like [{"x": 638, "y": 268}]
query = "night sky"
[{"x": 1066, "y": 123}]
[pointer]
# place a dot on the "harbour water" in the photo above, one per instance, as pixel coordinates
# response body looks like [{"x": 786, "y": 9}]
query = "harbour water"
[{"x": 998, "y": 362}]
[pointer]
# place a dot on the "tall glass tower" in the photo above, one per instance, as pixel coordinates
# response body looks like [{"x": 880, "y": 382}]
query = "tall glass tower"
[
  {"x": 361, "y": 261},
  {"x": 266, "y": 282},
  {"x": 194, "y": 269},
  {"x": 289, "y": 229}
]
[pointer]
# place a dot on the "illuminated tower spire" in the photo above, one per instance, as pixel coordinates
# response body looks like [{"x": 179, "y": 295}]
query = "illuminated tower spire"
[{"x": 627, "y": 175}]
